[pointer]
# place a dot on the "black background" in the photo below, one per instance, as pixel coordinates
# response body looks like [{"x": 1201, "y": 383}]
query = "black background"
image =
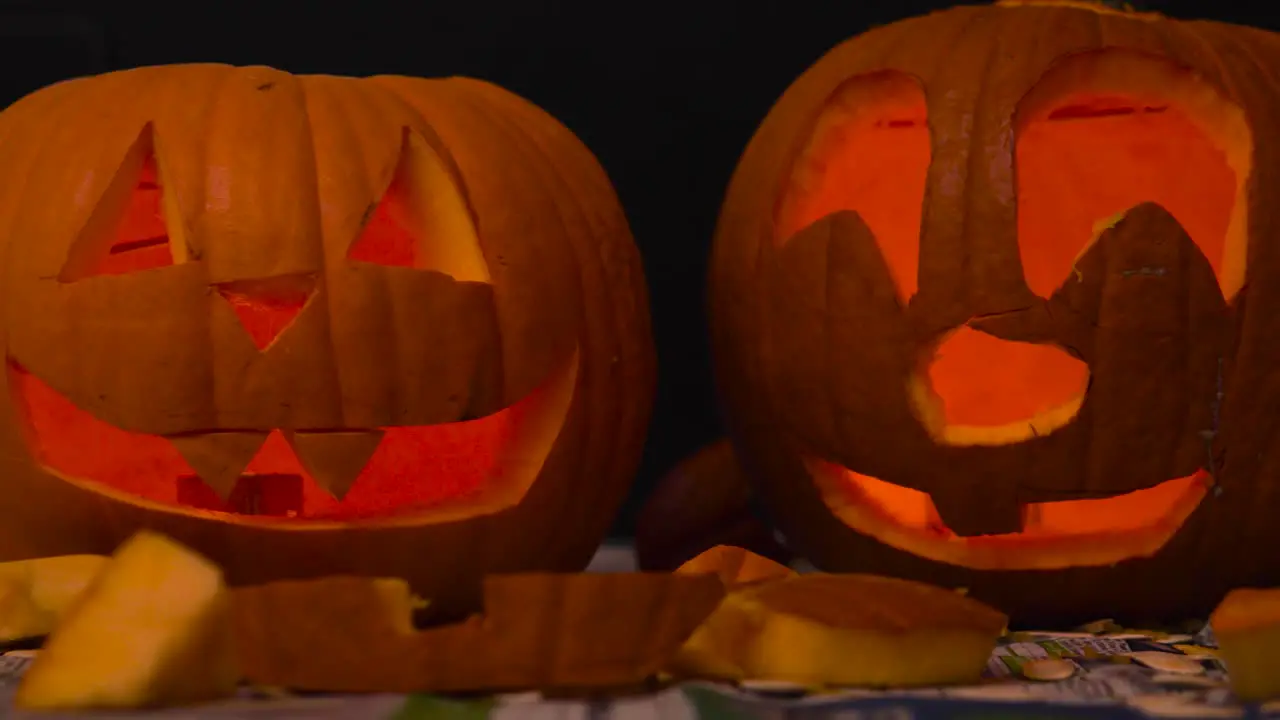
[{"x": 665, "y": 94}]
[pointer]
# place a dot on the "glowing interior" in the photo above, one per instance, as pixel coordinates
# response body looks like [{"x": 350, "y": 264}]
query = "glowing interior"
[
  {"x": 423, "y": 220},
  {"x": 870, "y": 153},
  {"x": 451, "y": 470},
  {"x": 267, "y": 308},
  {"x": 1094, "y": 139},
  {"x": 1095, "y": 156},
  {"x": 413, "y": 468},
  {"x": 1066, "y": 533},
  {"x": 141, "y": 238},
  {"x": 981, "y": 390}
]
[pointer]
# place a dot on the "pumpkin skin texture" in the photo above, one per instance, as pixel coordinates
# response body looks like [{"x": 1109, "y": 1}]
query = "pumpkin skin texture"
[
  {"x": 983, "y": 308},
  {"x": 703, "y": 502},
  {"x": 315, "y": 325}
]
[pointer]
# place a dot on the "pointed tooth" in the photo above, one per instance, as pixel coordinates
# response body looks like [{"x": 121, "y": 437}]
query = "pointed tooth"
[
  {"x": 335, "y": 459},
  {"x": 219, "y": 458}
]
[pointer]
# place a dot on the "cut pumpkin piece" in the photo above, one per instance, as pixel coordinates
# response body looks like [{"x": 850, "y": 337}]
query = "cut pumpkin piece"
[
  {"x": 844, "y": 630},
  {"x": 735, "y": 566},
  {"x": 152, "y": 629},
  {"x": 19, "y": 616},
  {"x": 34, "y": 594},
  {"x": 537, "y": 632},
  {"x": 1247, "y": 626}
]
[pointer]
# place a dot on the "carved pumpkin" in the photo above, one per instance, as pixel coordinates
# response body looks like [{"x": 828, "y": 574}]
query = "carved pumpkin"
[
  {"x": 979, "y": 308},
  {"x": 308, "y": 325}
]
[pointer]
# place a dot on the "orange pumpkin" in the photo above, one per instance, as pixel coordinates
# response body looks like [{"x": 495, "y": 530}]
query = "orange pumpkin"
[
  {"x": 310, "y": 324},
  {"x": 979, "y": 294}
]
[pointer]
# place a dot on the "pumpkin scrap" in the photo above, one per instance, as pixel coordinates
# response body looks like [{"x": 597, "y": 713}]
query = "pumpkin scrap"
[
  {"x": 820, "y": 630},
  {"x": 35, "y": 593},
  {"x": 152, "y": 629},
  {"x": 1247, "y": 626},
  {"x": 735, "y": 566},
  {"x": 538, "y": 631}
]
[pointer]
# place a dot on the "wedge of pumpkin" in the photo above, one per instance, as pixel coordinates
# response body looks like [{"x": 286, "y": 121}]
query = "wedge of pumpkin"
[
  {"x": 1247, "y": 626},
  {"x": 152, "y": 629},
  {"x": 843, "y": 630},
  {"x": 735, "y": 566},
  {"x": 34, "y": 594}
]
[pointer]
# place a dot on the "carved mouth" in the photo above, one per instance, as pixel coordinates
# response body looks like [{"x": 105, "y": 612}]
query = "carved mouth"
[
  {"x": 1055, "y": 535},
  {"x": 434, "y": 473}
]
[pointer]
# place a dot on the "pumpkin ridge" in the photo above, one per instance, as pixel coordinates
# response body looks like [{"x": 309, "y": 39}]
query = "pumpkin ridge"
[
  {"x": 537, "y": 137},
  {"x": 1231, "y": 481},
  {"x": 572, "y": 221},
  {"x": 487, "y": 119},
  {"x": 24, "y": 114},
  {"x": 190, "y": 190},
  {"x": 340, "y": 112},
  {"x": 609, "y": 231},
  {"x": 420, "y": 94},
  {"x": 1212, "y": 35}
]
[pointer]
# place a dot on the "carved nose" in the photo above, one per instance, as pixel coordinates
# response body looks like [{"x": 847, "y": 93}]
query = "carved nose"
[
  {"x": 994, "y": 391},
  {"x": 266, "y": 306}
]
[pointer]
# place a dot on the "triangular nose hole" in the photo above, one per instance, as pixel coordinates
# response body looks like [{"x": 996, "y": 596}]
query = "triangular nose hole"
[{"x": 267, "y": 306}]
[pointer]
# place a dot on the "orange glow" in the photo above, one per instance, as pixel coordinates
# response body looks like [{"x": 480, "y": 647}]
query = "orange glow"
[
  {"x": 1055, "y": 534},
  {"x": 1091, "y": 158},
  {"x": 142, "y": 241},
  {"x": 414, "y": 467},
  {"x": 985, "y": 381},
  {"x": 265, "y": 314},
  {"x": 869, "y": 153},
  {"x": 1131, "y": 511},
  {"x": 1084, "y": 155},
  {"x": 383, "y": 240}
]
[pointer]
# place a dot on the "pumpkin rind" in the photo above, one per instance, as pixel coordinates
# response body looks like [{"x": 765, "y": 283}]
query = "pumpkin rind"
[
  {"x": 975, "y": 64},
  {"x": 272, "y": 175}
]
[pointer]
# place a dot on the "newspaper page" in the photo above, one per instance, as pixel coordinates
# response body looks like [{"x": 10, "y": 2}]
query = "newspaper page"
[{"x": 1116, "y": 676}]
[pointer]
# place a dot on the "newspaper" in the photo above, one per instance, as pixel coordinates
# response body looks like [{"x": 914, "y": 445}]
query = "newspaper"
[
  {"x": 1109, "y": 682},
  {"x": 1113, "y": 678}
]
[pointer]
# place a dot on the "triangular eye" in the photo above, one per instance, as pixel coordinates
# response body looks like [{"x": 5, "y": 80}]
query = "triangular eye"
[
  {"x": 127, "y": 231},
  {"x": 422, "y": 220}
]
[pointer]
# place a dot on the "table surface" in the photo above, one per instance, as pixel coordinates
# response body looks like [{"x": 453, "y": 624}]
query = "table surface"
[{"x": 1111, "y": 681}]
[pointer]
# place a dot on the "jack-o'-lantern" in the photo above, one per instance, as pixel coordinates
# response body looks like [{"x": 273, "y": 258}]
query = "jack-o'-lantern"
[
  {"x": 309, "y": 324},
  {"x": 990, "y": 308}
]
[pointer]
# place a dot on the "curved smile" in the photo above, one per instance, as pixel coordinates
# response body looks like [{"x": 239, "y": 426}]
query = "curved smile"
[
  {"x": 1054, "y": 534},
  {"x": 450, "y": 470}
]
